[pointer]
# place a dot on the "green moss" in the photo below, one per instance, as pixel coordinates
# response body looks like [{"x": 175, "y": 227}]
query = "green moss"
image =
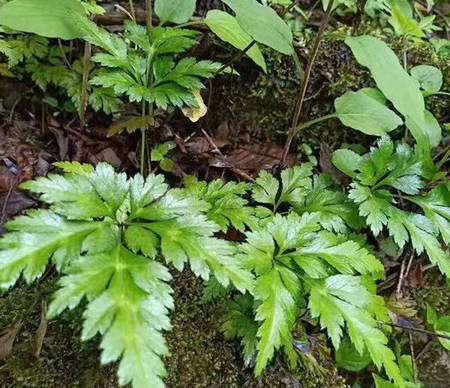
[{"x": 199, "y": 354}]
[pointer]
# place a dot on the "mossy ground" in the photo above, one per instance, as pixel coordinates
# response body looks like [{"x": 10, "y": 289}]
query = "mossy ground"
[{"x": 199, "y": 354}]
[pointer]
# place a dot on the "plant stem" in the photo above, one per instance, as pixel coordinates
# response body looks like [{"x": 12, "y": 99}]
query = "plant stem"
[
  {"x": 423, "y": 331},
  {"x": 143, "y": 139},
  {"x": 298, "y": 109},
  {"x": 193, "y": 23},
  {"x": 84, "y": 85},
  {"x": 315, "y": 121},
  {"x": 133, "y": 13},
  {"x": 148, "y": 17}
]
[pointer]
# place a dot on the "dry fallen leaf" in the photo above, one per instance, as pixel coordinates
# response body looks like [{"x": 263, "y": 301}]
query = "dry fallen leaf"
[
  {"x": 7, "y": 338},
  {"x": 41, "y": 331},
  {"x": 195, "y": 114}
]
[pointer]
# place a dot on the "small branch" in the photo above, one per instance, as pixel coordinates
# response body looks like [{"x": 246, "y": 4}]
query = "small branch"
[
  {"x": 84, "y": 85},
  {"x": 298, "y": 109},
  {"x": 413, "y": 361},
  {"x": 133, "y": 12},
  {"x": 148, "y": 17},
  {"x": 423, "y": 331}
]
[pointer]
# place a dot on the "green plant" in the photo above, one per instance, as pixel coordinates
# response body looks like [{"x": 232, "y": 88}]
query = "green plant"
[
  {"x": 366, "y": 110},
  {"x": 440, "y": 325},
  {"x": 377, "y": 178},
  {"x": 106, "y": 233},
  {"x": 301, "y": 267}
]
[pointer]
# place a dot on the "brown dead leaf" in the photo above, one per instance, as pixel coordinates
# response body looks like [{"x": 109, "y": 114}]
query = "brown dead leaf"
[
  {"x": 12, "y": 203},
  {"x": 415, "y": 276},
  {"x": 7, "y": 338},
  {"x": 38, "y": 338},
  {"x": 62, "y": 140},
  {"x": 200, "y": 145},
  {"x": 107, "y": 155},
  {"x": 253, "y": 157}
]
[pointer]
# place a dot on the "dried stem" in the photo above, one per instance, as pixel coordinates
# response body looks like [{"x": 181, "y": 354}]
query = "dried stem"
[
  {"x": 298, "y": 109},
  {"x": 423, "y": 331}
]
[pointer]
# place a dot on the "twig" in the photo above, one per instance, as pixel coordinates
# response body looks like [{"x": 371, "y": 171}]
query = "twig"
[
  {"x": 125, "y": 11},
  {"x": 400, "y": 279},
  {"x": 423, "y": 331},
  {"x": 241, "y": 53},
  {"x": 304, "y": 87},
  {"x": 424, "y": 349},
  {"x": 237, "y": 171},
  {"x": 133, "y": 13},
  {"x": 413, "y": 361},
  {"x": 148, "y": 17},
  {"x": 84, "y": 85}
]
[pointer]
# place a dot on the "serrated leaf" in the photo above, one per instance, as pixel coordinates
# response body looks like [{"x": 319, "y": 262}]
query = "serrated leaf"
[
  {"x": 228, "y": 29},
  {"x": 75, "y": 168},
  {"x": 32, "y": 241},
  {"x": 128, "y": 304},
  {"x": 240, "y": 322},
  {"x": 342, "y": 299}
]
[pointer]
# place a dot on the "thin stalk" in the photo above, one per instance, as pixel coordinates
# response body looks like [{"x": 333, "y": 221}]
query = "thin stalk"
[
  {"x": 298, "y": 66},
  {"x": 84, "y": 85},
  {"x": 149, "y": 79},
  {"x": 133, "y": 13},
  {"x": 148, "y": 17},
  {"x": 315, "y": 121},
  {"x": 443, "y": 160},
  {"x": 143, "y": 139},
  {"x": 301, "y": 99},
  {"x": 188, "y": 24},
  {"x": 423, "y": 331}
]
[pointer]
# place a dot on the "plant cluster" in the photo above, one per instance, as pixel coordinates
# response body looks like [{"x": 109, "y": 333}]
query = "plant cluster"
[{"x": 306, "y": 257}]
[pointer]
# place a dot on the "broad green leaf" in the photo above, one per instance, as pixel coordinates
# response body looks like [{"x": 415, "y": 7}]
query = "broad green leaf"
[
  {"x": 263, "y": 24},
  {"x": 347, "y": 161},
  {"x": 364, "y": 113},
  {"x": 50, "y": 18},
  {"x": 429, "y": 77},
  {"x": 348, "y": 358},
  {"x": 442, "y": 326},
  {"x": 428, "y": 134},
  {"x": 403, "y": 22},
  {"x": 228, "y": 29},
  {"x": 393, "y": 81},
  {"x": 175, "y": 11}
]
